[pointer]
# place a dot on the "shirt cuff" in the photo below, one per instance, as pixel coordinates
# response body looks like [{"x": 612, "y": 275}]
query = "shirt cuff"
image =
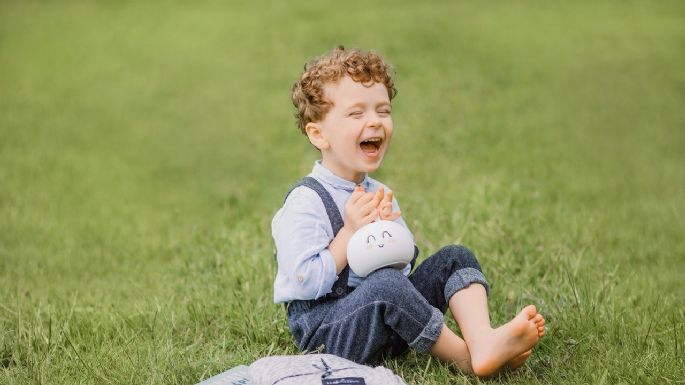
[{"x": 329, "y": 275}]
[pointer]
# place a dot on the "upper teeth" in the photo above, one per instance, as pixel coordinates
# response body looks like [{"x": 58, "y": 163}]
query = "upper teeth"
[{"x": 373, "y": 140}]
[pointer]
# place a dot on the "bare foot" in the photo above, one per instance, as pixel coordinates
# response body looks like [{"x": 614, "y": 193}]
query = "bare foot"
[
  {"x": 518, "y": 361},
  {"x": 492, "y": 349}
]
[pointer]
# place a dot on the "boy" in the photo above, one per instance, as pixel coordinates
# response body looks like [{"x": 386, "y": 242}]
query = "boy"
[{"x": 344, "y": 107}]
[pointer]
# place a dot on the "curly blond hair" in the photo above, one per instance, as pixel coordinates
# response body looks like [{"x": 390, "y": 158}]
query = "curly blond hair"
[{"x": 308, "y": 93}]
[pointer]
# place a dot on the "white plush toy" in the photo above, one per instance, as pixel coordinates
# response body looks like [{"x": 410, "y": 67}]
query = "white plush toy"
[{"x": 379, "y": 244}]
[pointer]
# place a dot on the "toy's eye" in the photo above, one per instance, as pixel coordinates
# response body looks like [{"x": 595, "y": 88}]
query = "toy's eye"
[
  {"x": 368, "y": 240},
  {"x": 389, "y": 235}
]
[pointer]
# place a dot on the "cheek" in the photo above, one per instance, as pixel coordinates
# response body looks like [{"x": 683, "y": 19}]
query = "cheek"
[
  {"x": 388, "y": 127},
  {"x": 346, "y": 139}
]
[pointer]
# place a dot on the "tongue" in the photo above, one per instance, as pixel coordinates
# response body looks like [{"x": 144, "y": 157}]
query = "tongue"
[{"x": 368, "y": 147}]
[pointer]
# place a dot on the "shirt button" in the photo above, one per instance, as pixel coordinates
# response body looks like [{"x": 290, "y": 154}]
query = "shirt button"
[
  {"x": 339, "y": 290},
  {"x": 300, "y": 279}
]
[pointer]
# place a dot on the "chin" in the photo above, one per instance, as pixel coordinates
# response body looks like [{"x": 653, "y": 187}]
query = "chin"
[{"x": 369, "y": 168}]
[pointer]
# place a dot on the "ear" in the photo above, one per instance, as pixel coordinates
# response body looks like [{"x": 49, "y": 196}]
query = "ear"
[{"x": 316, "y": 136}]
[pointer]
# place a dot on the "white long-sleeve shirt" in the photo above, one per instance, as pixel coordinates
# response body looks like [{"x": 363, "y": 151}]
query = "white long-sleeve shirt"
[{"x": 302, "y": 233}]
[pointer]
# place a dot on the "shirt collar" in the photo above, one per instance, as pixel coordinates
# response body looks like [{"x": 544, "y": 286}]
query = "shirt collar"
[{"x": 325, "y": 175}]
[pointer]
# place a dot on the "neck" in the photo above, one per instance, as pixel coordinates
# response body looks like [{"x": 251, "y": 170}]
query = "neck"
[{"x": 356, "y": 177}]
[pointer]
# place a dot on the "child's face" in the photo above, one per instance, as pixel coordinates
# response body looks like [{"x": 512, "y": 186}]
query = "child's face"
[{"x": 356, "y": 132}]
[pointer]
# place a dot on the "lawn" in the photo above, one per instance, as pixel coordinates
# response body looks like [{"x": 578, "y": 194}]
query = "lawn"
[{"x": 145, "y": 146}]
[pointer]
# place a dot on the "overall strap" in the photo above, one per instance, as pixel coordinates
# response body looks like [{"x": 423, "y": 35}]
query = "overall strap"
[
  {"x": 328, "y": 202},
  {"x": 340, "y": 288}
]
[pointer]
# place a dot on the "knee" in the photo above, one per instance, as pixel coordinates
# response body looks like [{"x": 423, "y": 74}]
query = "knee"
[
  {"x": 459, "y": 256},
  {"x": 384, "y": 277},
  {"x": 383, "y": 284}
]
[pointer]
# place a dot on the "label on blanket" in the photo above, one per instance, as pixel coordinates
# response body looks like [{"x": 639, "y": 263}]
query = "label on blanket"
[{"x": 343, "y": 381}]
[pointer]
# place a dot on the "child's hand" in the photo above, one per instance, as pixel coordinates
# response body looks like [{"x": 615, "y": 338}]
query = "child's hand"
[
  {"x": 361, "y": 208},
  {"x": 385, "y": 208}
]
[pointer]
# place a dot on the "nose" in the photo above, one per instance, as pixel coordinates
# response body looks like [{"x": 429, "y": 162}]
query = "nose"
[{"x": 374, "y": 121}]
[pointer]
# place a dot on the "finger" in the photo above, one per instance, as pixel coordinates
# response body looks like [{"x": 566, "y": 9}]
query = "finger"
[
  {"x": 365, "y": 199},
  {"x": 379, "y": 195},
  {"x": 383, "y": 213},
  {"x": 357, "y": 193},
  {"x": 382, "y": 201},
  {"x": 370, "y": 204},
  {"x": 385, "y": 199},
  {"x": 390, "y": 216},
  {"x": 389, "y": 196},
  {"x": 394, "y": 216},
  {"x": 371, "y": 217},
  {"x": 387, "y": 208}
]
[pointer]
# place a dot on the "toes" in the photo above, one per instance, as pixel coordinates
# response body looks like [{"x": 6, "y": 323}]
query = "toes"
[
  {"x": 538, "y": 319},
  {"x": 530, "y": 311},
  {"x": 541, "y": 327}
]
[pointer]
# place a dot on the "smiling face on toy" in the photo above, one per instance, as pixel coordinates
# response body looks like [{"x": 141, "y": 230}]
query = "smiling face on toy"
[
  {"x": 379, "y": 244},
  {"x": 386, "y": 237}
]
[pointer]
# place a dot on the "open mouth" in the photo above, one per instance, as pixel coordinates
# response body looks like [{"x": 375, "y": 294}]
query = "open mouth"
[{"x": 371, "y": 145}]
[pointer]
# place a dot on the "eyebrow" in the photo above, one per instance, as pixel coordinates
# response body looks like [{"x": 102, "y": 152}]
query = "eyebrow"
[{"x": 362, "y": 104}]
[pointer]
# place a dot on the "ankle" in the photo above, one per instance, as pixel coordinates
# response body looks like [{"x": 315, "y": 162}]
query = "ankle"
[{"x": 477, "y": 333}]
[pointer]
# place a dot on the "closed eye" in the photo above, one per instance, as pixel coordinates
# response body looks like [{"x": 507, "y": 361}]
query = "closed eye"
[
  {"x": 356, "y": 114},
  {"x": 389, "y": 235},
  {"x": 368, "y": 240}
]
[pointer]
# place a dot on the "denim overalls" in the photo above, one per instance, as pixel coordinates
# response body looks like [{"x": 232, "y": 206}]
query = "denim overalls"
[{"x": 388, "y": 312}]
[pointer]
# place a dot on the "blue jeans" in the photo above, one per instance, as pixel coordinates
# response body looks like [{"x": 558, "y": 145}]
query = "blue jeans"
[{"x": 388, "y": 312}]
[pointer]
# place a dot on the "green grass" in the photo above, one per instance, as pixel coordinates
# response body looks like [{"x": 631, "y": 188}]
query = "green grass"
[{"x": 145, "y": 147}]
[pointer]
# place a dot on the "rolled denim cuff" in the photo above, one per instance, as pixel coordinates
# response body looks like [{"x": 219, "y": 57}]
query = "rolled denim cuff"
[
  {"x": 424, "y": 342},
  {"x": 462, "y": 278}
]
